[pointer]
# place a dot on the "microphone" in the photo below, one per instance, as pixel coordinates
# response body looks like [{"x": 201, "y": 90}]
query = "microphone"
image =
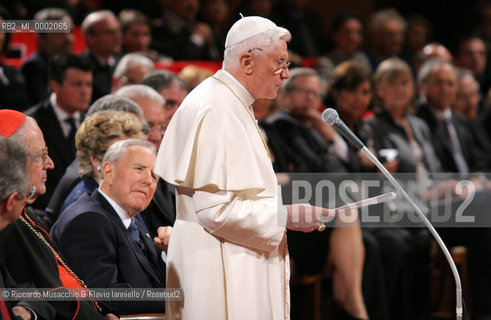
[{"x": 331, "y": 117}]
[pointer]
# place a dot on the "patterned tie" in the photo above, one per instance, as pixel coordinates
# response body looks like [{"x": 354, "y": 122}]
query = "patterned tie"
[
  {"x": 71, "y": 135},
  {"x": 458, "y": 157},
  {"x": 135, "y": 234}
]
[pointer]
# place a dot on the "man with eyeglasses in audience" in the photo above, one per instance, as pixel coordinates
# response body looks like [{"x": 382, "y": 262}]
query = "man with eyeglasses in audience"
[{"x": 26, "y": 249}]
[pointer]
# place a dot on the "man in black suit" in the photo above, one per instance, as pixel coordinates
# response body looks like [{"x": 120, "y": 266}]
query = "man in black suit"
[
  {"x": 457, "y": 152},
  {"x": 451, "y": 136},
  {"x": 60, "y": 115},
  {"x": 35, "y": 68},
  {"x": 102, "y": 34},
  {"x": 99, "y": 236},
  {"x": 26, "y": 250}
]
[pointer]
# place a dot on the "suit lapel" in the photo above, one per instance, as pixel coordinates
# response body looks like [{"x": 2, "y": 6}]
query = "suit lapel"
[{"x": 139, "y": 254}]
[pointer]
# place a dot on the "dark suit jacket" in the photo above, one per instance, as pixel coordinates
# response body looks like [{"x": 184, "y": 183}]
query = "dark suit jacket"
[
  {"x": 67, "y": 182},
  {"x": 388, "y": 134},
  {"x": 304, "y": 148},
  {"x": 94, "y": 241},
  {"x": 32, "y": 264},
  {"x": 442, "y": 144},
  {"x": 35, "y": 72},
  {"x": 58, "y": 147}
]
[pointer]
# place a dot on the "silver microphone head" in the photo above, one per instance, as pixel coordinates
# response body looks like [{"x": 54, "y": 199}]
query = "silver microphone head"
[{"x": 330, "y": 116}]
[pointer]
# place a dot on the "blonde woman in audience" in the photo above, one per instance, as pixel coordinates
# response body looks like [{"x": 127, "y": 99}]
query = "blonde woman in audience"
[{"x": 93, "y": 138}]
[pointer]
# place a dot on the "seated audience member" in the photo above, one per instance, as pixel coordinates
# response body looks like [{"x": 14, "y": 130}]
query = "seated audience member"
[
  {"x": 71, "y": 176},
  {"x": 394, "y": 128},
  {"x": 305, "y": 135},
  {"x": 347, "y": 36},
  {"x": 179, "y": 35},
  {"x": 161, "y": 211},
  {"x": 13, "y": 93},
  {"x": 415, "y": 143},
  {"x": 131, "y": 69},
  {"x": 94, "y": 137},
  {"x": 26, "y": 249},
  {"x": 429, "y": 51},
  {"x": 471, "y": 54},
  {"x": 450, "y": 134},
  {"x": 125, "y": 257},
  {"x": 193, "y": 75},
  {"x": 152, "y": 105},
  {"x": 102, "y": 35},
  {"x": 300, "y": 123},
  {"x": 14, "y": 183},
  {"x": 35, "y": 68},
  {"x": 467, "y": 102},
  {"x": 137, "y": 35},
  {"x": 419, "y": 33},
  {"x": 350, "y": 91},
  {"x": 171, "y": 88},
  {"x": 60, "y": 115},
  {"x": 216, "y": 13},
  {"x": 386, "y": 35}
]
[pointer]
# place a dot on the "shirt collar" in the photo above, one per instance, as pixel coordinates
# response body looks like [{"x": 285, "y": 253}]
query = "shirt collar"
[
  {"x": 440, "y": 115},
  {"x": 248, "y": 98},
  {"x": 61, "y": 114},
  {"x": 123, "y": 215}
]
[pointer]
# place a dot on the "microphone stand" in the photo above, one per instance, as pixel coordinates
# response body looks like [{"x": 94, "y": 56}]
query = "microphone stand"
[{"x": 400, "y": 191}]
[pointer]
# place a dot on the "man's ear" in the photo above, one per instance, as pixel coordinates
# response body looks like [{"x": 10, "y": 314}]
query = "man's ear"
[
  {"x": 8, "y": 204},
  {"x": 55, "y": 86},
  {"x": 247, "y": 63},
  {"x": 108, "y": 172}
]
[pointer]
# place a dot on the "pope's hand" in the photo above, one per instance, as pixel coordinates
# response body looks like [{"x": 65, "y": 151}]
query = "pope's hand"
[
  {"x": 162, "y": 240},
  {"x": 306, "y": 218}
]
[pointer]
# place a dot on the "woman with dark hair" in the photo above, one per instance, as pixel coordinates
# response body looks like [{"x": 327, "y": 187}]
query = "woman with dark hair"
[{"x": 347, "y": 38}]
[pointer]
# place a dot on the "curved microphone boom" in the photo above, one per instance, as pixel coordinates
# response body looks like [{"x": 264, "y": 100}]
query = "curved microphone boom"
[{"x": 331, "y": 117}]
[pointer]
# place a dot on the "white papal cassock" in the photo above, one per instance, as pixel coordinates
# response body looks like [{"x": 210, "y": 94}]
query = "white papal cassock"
[{"x": 228, "y": 248}]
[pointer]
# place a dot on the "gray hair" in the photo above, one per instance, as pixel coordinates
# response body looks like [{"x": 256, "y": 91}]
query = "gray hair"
[
  {"x": 431, "y": 65},
  {"x": 116, "y": 103},
  {"x": 136, "y": 91},
  {"x": 51, "y": 14},
  {"x": 463, "y": 73},
  {"x": 162, "y": 79},
  {"x": 117, "y": 149},
  {"x": 382, "y": 16},
  {"x": 94, "y": 18},
  {"x": 297, "y": 72},
  {"x": 264, "y": 40},
  {"x": 13, "y": 169},
  {"x": 132, "y": 59},
  {"x": 19, "y": 134}
]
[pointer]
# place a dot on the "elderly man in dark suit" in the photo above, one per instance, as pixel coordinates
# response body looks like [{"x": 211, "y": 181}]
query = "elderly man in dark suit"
[
  {"x": 99, "y": 236},
  {"x": 61, "y": 114}
]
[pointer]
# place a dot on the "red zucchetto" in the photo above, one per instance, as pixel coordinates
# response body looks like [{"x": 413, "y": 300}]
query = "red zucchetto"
[{"x": 10, "y": 121}]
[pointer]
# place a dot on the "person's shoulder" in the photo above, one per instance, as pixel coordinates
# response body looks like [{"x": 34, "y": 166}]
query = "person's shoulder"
[{"x": 39, "y": 109}]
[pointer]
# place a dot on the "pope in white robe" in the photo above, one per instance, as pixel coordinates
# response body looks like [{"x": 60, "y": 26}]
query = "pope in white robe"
[{"x": 228, "y": 249}]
